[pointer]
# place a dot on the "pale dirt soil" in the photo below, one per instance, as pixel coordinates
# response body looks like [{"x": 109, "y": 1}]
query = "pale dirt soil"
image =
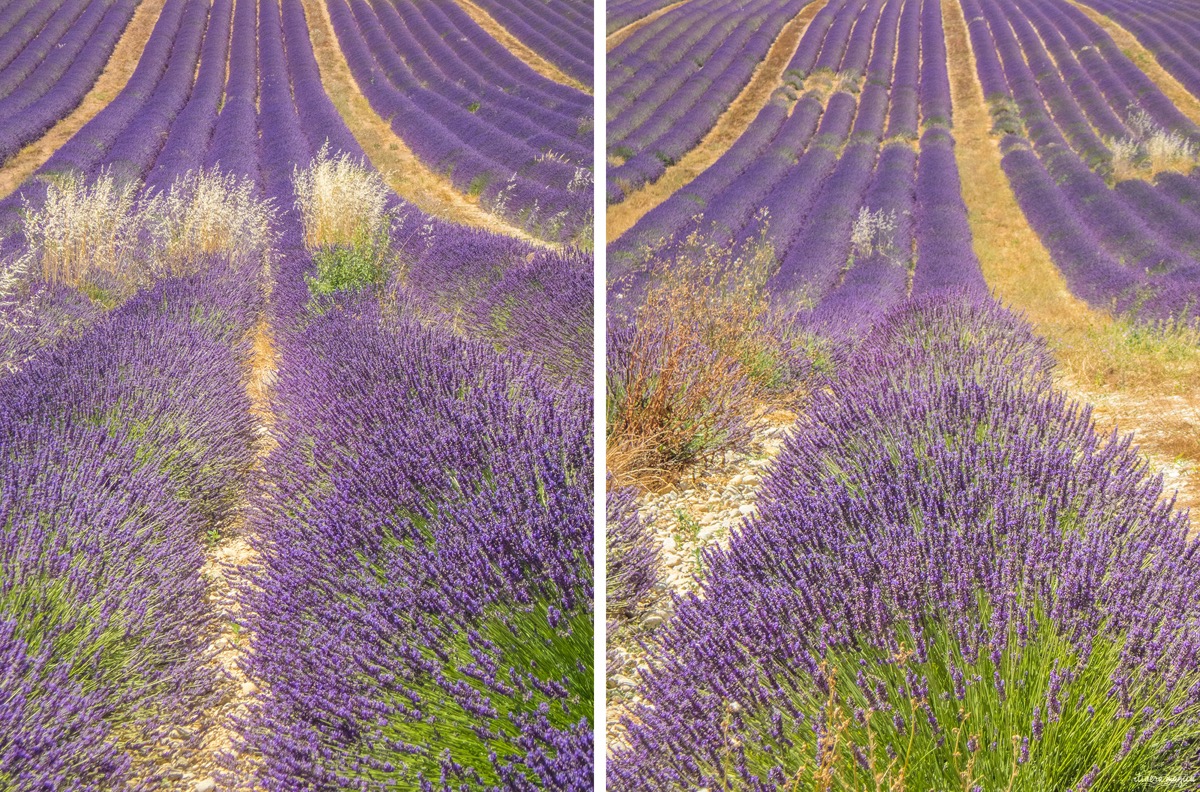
[
  {"x": 617, "y": 36},
  {"x": 514, "y": 45},
  {"x": 116, "y": 74},
  {"x": 1141, "y": 387},
  {"x": 699, "y": 512},
  {"x": 226, "y": 571},
  {"x": 404, "y": 173},
  {"x": 728, "y": 128}
]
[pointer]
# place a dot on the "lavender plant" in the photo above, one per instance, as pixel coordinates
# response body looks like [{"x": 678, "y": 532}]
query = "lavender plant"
[
  {"x": 952, "y": 581},
  {"x": 119, "y": 451},
  {"x": 631, "y": 552},
  {"x": 459, "y": 610}
]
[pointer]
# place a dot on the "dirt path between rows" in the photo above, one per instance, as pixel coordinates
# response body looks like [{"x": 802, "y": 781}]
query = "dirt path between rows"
[
  {"x": 517, "y": 48},
  {"x": 1188, "y": 104},
  {"x": 697, "y": 515},
  {"x": 617, "y": 36},
  {"x": 1134, "y": 381},
  {"x": 404, "y": 173},
  {"x": 112, "y": 80},
  {"x": 226, "y": 574},
  {"x": 725, "y": 132}
]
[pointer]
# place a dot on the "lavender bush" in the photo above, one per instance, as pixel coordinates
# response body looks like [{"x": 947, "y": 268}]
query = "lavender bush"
[
  {"x": 459, "y": 607},
  {"x": 121, "y": 449},
  {"x": 952, "y": 579}
]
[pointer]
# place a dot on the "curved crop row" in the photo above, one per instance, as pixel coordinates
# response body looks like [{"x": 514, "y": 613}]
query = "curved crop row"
[
  {"x": 623, "y": 13},
  {"x": 1170, "y": 30},
  {"x": 827, "y": 175},
  {"x": 1129, "y": 246},
  {"x": 560, "y": 31},
  {"x": 55, "y": 70},
  {"x": 473, "y": 111},
  {"x": 669, "y": 81}
]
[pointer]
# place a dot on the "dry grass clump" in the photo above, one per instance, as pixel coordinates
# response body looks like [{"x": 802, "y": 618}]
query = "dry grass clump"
[
  {"x": 874, "y": 233},
  {"x": 204, "y": 215},
  {"x": 82, "y": 228},
  {"x": 341, "y": 202},
  {"x": 690, "y": 372},
  {"x": 1150, "y": 150},
  {"x": 101, "y": 238}
]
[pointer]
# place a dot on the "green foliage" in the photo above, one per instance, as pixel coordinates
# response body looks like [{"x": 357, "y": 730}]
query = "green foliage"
[
  {"x": 966, "y": 733},
  {"x": 354, "y": 267},
  {"x": 687, "y": 524},
  {"x": 529, "y": 646}
]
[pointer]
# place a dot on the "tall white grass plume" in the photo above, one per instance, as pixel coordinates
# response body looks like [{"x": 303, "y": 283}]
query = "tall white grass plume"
[
  {"x": 874, "y": 233},
  {"x": 84, "y": 228},
  {"x": 1150, "y": 149},
  {"x": 206, "y": 215},
  {"x": 341, "y": 202}
]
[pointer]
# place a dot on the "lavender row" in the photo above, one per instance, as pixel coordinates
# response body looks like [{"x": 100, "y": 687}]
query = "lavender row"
[
  {"x": 1168, "y": 30},
  {"x": 625, "y": 12},
  {"x": 49, "y": 91},
  {"x": 556, "y": 31},
  {"x": 537, "y": 303},
  {"x": 429, "y": 623},
  {"x": 812, "y": 183},
  {"x": 670, "y": 81},
  {"x": 523, "y": 171},
  {"x": 1121, "y": 250},
  {"x": 728, "y": 194},
  {"x": 944, "y": 533},
  {"x": 121, "y": 450},
  {"x": 386, "y": 32},
  {"x": 26, "y": 30}
]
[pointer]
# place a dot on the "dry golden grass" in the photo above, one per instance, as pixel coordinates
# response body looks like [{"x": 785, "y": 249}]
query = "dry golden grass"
[
  {"x": 1187, "y": 103},
  {"x": 116, "y": 74},
  {"x": 514, "y": 45},
  {"x": 617, "y": 36},
  {"x": 83, "y": 228},
  {"x": 704, "y": 363},
  {"x": 1137, "y": 380},
  {"x": 205, "y": 214},
  {"x": 101, "y": 227},
  {"x": 340, "y": 201},
  {"x": 728, "y": 128},
  {"x": 404, "y": 173}
]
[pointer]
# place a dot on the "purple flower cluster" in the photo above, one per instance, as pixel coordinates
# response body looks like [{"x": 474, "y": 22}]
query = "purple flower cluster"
[
  {"x": 539, "y": 303},
  {"x": 428, "y": 624},
  {"x": 120, "y": 449},
  {"x": 631, "y": 553},
  {"x": 948, "y": 534}
]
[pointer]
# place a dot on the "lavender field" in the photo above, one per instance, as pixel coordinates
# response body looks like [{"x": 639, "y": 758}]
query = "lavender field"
[
  {"x": 295, "y": 477},
  {"x": 903, "y": 416}
]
